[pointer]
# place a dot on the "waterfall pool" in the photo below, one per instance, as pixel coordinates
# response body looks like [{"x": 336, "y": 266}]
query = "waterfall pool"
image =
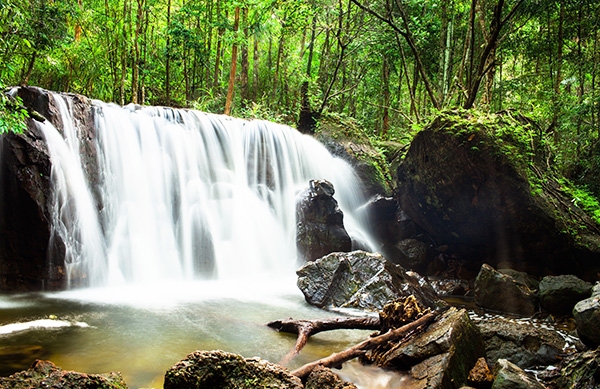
[{"x": 143, "y": 331}]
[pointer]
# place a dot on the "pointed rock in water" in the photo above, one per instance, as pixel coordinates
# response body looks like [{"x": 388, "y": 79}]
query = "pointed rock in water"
[
  {"x": 223, "y": 370},
  {"x": 45, "y": 374},
  {"x": 320, "y": 222},
  {"x": 500, "y": 292},
  {"x": 361, "y": 280}
]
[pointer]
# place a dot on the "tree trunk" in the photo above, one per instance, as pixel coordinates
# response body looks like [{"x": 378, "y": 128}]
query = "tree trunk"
[
  {"x": 385, "y": 92},
  {"x": 234, "y": 49},
  {"x": 307, "y": 119},
  {"x": 168, "y": 58},
  {"x": 245, "y": 90}
]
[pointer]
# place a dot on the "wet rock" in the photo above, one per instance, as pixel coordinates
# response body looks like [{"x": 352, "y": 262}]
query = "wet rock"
[
  {"x": 502, "y": 293},
  {"x": 521, "y": 278},
  {"x": 520, "y": 342},
  {"x": 510, "y": 376},
  {"x": 320, "y": 222},
  {"x": 44, "y": 374},
  {"x": 220, "y": 369},
  {"x": 559, "y": 294},
  {"x": 587, "y": 319},
  {"x": 360, "y": 280},
  {"x": 439, "y": 357},
  {"x": 323, "y": 378},
  {"x": 580, "y": 371}
]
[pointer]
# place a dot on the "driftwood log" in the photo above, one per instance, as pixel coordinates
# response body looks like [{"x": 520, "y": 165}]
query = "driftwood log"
[
  {"x": 307, "y": 328},
  {"x": 337, "y": 359}
]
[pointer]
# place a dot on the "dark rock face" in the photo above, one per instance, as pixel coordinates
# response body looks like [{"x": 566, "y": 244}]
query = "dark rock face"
[
  {"x": 462, "y": 188},
  {"x": 559, "y": 294},
  {"x": 360, "y": 280},
  {"x": 320, "y": 222},
  {"x": 440, "y": 357},
  {"x": 44, "y": 374},
  {"x": 521, "y": 343},
  {"x": 223, "y": 370},
  {"x": 510, "y": 376},
  {"x": 500, "y": 292}
]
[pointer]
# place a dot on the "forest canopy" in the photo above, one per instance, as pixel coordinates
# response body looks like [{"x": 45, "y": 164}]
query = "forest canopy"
[{"x": 388, "y": 64}]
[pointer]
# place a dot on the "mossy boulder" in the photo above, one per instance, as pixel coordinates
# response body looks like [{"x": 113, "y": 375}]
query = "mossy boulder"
[
  {"x": 483, "y": 181},
  {"x": 223, "y": 370},
  {"x": 45, "y": 374}
]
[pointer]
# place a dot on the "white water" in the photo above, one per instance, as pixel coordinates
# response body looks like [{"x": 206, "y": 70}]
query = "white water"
[{"x": 186, "y": 195}]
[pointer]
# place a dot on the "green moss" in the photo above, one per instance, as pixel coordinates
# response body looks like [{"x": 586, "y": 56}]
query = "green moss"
[{"x": 365, "y": 148}]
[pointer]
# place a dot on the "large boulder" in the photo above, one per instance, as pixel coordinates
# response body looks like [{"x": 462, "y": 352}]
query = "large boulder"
[
  {"x": 360, "y": 280},
  {"x": 520, "y": 342},
  {"x": 320, "y": 222},
  {"x": 559, "y": 294},
  {"x": 477, "y": 180},
  {"x": 44, "y": 374},
  {"x": 441, "y": 356},
  {"x": 222, "y": 370},
  {"x": 502, "y": 293}
]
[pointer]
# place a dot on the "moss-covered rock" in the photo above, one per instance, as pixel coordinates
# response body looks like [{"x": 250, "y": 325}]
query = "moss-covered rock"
[
  {"x": 222, "y": 370},
  {"x": 45, "y": 374},
  {"x": 483, "y": 181},
  {"x": 346, "y": 139}
]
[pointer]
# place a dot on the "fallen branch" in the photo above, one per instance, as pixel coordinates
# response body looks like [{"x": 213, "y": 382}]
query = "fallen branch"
[
  {"x": 307, "y": 328},
  {"x": 361, "y": 348}
]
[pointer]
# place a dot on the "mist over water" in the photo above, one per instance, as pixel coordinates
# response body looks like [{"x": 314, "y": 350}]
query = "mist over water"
[{"x": 185, "y": 195}]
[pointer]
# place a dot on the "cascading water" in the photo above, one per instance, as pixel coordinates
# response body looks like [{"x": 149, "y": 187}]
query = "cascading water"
[{"x": 185, "y": 195}]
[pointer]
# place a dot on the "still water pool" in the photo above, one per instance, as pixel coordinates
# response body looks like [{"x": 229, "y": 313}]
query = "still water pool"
[{"x": 142, "y": 331}]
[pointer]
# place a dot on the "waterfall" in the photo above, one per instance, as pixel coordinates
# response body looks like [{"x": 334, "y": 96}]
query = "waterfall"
[{"x": 183, "y": 194}]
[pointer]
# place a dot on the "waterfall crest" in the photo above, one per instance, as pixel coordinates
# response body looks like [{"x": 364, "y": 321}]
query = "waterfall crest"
[{"x": 183, "y": 194}]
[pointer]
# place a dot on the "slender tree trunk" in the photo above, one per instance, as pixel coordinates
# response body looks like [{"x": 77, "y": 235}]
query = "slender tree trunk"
[
  {"x": 168, "y": 58},
  {"x": 255, "y": 68},
  {"x": 219, "y": 51},
  {"x": 29, "y": 70},
  {"x": 245, "y": 90},
  {"x": 385, "y": 92},
  {"x": 307, "y": 118},
  {"x": 234, "y": 49}
]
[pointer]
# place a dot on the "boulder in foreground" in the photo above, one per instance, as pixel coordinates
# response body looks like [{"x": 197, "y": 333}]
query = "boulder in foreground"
[{"x": 45, "y": 374}]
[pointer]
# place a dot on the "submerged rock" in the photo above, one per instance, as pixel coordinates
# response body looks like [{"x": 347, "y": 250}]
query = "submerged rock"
[
  {"x": 502, "y": 293},
  {"x": 320, "y": 222},
  {"x": 360, "y": 280},
  {"x": 559, "y": 294},
  {"x": 223, "y": 370},
  {"x": 441, "y": 356},
  {"x": 45, "y": 374}
]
